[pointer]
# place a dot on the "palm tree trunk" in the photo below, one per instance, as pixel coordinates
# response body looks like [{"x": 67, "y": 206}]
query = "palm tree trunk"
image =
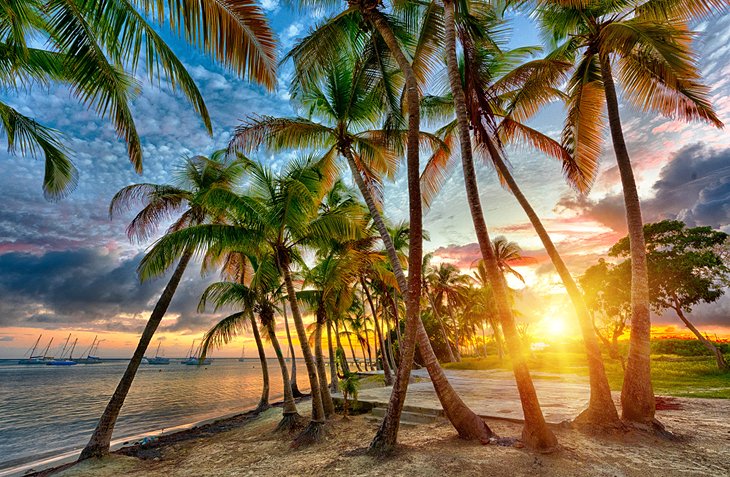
[
  {"x": 437, "y": 313},
  {"x": 719, "y": 358},
  {"x": 450, "y": 309},
  {"x": 379, "y": 335},
  {"x": 290, "y": 419},
  {"x": 535, "y": 433},
  {"x": 637, "y": 394},
  {"x": 333, "y": 366},
  {"x": 352, "y": 349},
  {"x": 396, "y": 318},
  {"x": 388, "y": 336},
  {"x": 264, "y": 401},
  {"x": 293, "y": 379},
  {"x": 100, "y": 440},
  {"x": 327, "y": 403},
  {"x": 367, "y": 343},
  {"x": 387, "y": 435},
  {"x": 601, "y": 409},
  {"x": 313, "y": 430}
]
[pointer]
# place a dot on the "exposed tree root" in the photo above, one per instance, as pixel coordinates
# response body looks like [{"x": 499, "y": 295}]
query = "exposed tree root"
[
  {"x": 595, "y": 422},
  {"x": 290, "y": 422},
  {"x": 311, "y": 434},
  {"x": 261, "y": 407}
]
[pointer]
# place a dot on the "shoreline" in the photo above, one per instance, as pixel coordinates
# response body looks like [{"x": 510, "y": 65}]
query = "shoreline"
[{"x": 43, "y": 465}]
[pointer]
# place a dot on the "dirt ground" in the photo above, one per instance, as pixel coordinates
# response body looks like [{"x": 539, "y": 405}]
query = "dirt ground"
[{"x": 701, "y": 447}]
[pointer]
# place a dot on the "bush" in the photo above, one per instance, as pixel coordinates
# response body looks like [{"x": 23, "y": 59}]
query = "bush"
[{"x": 685, "y": 347}]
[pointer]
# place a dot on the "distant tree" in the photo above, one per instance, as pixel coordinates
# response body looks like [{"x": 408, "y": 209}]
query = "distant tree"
[
  {"x": 607, "y": 291},
  {"x": 685, "y": 268}
]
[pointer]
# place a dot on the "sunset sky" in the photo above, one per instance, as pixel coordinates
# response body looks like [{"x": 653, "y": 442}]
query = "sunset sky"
[{"x": 66, "y": 268}]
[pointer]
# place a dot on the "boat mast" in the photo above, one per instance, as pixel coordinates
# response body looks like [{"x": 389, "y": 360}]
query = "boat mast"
[
  {"x": 157, "y": 353},
  {"x": 190, "y": 352},
  {"x": 91, "y": 348},
  {"x": 63, "y": 350},
  {"x": 45, "y": 353},
  {"x": 70, "y": 355},
  {"x": 32, "y": 351}
]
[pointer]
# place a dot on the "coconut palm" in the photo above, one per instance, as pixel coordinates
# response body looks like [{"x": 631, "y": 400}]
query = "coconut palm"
[
  {"x": 184, "y": 202},
  {"x": 535, "y": 433},
  {"x": 445, "y": 283},
  {"x": 94, "y": 47},
  {"x": 502, "y": 91},
  {"x": 650, "y": 45},
  {"x": 278, "y": 213},
  {"x": 256, "y": 293}
]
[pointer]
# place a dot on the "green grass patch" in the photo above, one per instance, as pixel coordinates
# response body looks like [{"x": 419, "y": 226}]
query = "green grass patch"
[{"x": 672, "y": 375}]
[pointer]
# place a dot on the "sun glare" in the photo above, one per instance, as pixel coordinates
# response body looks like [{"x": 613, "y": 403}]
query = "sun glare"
[{"x": 555, "y": 326}]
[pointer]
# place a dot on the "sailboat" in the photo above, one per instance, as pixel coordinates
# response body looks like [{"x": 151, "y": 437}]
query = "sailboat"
[
  {"x": 243, "y": 353},
  {"x": 158, "y": 359},
  {"x": 194, "y": 358},
  {"x": 93, "y": 349},
  {"x": 37, "y": 359},
  {"x": 61, "y": 361}
]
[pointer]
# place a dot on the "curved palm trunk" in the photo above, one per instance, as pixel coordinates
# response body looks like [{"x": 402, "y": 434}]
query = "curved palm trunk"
[
  {"x": 367, "y": 343},
  {"x": 313, "y": 430},
  {"x": 352, "y": 350},
  {"x": 333, "y": 366},
  {"x": 637, "y": 393},
  {"x": 293, "y": 379},
  {"x": 464, "y": 420},
  {"x": 383, "y": 358},
  {"x": 101, "y": 438},
  {"x": 324, "y": 390},
  {"x": 719, "y": 358},
  {"x": 264, "y": 401},
  {"x": 452, "y": 358},
  {"x": 601, "y": 409},
  {"x": 291, "y": 419},
  {"x": 535, "y": 433}
]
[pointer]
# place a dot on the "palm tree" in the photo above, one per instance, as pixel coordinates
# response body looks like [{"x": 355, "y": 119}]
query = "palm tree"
[
  {"x": 94, "y": 47},
  {"x": 486, "y": 306},
  {"x": 445, "y": 283},
  {"x": 293, "y": 378},
  {"x": 257, "y": 293},
  {"x": 650, "y": 43},
  {"x": 536, "y": 434},
  {"x": 501, "y": 93},
  {"x": 328, "y": 46},
  {"x": 194, "y": 180},
  {"x": 280, "y": 214}
]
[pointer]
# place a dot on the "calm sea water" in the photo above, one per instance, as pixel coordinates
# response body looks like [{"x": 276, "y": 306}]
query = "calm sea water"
[{"x": 49, "y": 410}]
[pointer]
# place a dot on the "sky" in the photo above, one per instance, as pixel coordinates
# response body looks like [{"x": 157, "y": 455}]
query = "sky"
[{"x": 66, "y": 268}]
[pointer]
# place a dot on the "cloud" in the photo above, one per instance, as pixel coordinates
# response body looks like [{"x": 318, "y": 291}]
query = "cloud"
[
  {"x": 6, "y": 338},
  {"x": 90, "y": 289},
  {"x": 693, "y": 186}
]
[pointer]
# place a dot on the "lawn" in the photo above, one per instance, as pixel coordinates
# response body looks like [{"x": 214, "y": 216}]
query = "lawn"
[{"x": 672, "y": 375}]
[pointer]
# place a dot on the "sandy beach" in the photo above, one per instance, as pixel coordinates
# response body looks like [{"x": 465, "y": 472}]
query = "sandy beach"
[{"x": 246, "y": 445}]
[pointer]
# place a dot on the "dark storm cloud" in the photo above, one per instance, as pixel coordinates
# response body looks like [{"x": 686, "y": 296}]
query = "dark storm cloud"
[
  {"x": 694, "y": 186},
  {"x": 86, "y": 288}
]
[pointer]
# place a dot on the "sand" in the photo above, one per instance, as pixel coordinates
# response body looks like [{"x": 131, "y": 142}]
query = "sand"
[{"x": 248, "y": 447}]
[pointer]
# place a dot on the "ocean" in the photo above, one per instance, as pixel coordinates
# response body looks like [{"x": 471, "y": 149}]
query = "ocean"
[{"x": 51, "y": 410}]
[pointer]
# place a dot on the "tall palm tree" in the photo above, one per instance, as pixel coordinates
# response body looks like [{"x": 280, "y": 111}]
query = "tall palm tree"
[
  {"x": 344, "y": 106},
  {"x": 329, "y": 44},
  {"x": 183, "y": 201},
  {"x": 279, "y": 213},
  {"x": 650, "y": 44},
  {"x": 257, "y": 293},
  {"x": 94, "y": 46},
  {"x": 502, "y": 91},
  {"x": 535, "y": 433}
]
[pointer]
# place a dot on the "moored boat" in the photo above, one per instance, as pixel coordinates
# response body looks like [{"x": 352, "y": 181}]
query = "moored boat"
[
  {"x": 158, "y": 359},
  {"x": 61, "y": 361},
  {"x": 37, "y": 359}
]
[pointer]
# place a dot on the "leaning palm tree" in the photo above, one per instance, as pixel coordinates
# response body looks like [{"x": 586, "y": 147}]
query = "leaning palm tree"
[
  {"x": 342, "y": 111},
  {"x": 502, "y": 91},
  {"x": 256, "y": 293},
  {"x": 535, "y": 433},
  {"x": 94, "y": 46},
  {"x": 650, "y": 44},
  {"x": 278, "y": 213},
  {"x": 324, "y": 47},
  {"x": 183, "y": 201}
]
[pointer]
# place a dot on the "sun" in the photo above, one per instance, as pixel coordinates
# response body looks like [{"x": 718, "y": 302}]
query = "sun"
[{"x": 555, "y": 326}]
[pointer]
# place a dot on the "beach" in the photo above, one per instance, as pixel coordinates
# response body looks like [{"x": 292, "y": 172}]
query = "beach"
[{"x": 246, "y": 445}]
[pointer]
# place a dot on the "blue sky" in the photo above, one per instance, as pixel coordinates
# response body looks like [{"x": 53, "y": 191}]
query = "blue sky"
[{"x": 66, "y": 266}]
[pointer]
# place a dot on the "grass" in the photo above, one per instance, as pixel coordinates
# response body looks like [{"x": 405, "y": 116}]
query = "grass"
[{"x": 672, "y": 375}]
